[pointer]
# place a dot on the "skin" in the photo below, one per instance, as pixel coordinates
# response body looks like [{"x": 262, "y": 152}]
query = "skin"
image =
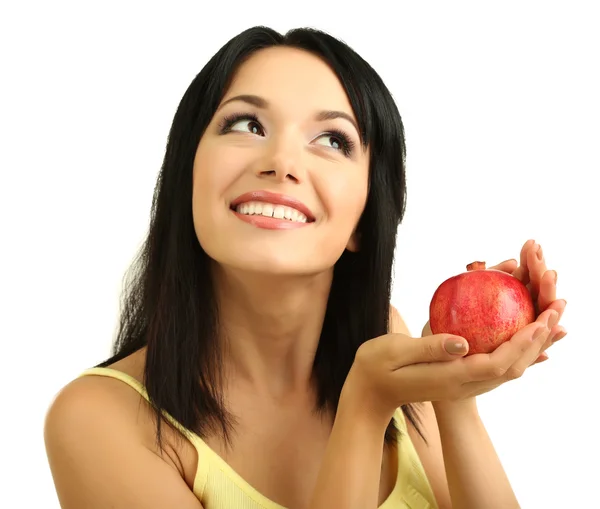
[
  {"x": 272, "y": 290},
  {"x": 460, "y": 419},
  {"x": 273, "y": 286}
]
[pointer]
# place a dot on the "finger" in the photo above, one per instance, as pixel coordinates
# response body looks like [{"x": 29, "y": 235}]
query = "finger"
[
  {"x": 547, "y": 292},
  {"x": 507, "y": 266},
  {"x": 558, "y": 306},
  {"x": 559, "y": 335},
  {"x": 522, "y": 272},
  {"x": 537, "y": 267},
  {"x": 539, "y": 339},
  {"x": 492, "y": 366},
  {"x": 435, "y": 348},
  {"x": 556, "y": 334},
  {"x": 498, "y": 363},
  {"x": 541, "y": 358}
]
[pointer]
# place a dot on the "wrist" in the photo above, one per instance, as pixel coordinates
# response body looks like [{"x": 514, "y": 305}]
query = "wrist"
[
  {"x": 464, "y": 408},
  {"x": 362, "y": 409}
]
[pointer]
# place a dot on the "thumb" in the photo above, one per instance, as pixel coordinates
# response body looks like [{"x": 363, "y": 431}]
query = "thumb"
[{"x": 436, "y": 348}]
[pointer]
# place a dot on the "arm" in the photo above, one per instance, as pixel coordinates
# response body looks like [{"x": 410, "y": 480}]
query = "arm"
[
  {"x": 430, "y": 453},
  {"x": 475, "y": 475},
  {"x": 350, "y": 472},
  {"x": 98, "y": 459},
  {"x": 461, "y": 463},
  {"x": 355, "y": 450},
  {"x": 396, "y": 368},
  {"x": 352, "y": 459}
]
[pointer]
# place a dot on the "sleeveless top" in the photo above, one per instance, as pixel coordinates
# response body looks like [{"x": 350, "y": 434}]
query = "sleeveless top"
[{"x": 218, "y": 486}]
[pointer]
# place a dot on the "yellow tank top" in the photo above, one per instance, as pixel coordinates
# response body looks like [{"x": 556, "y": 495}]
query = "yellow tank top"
[{"x": 218, "y": 486}]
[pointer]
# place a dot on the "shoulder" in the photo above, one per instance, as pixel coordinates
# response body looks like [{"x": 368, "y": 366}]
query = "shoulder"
[
  {"x": 98, "y": 399},
  {"x": 100, "y": 449},
  {"x": 89, "y": 409},
  {"x": 397, "y": 323},
  {"x": 90, "y": 404},
  {"x": 88, "y": 398}
]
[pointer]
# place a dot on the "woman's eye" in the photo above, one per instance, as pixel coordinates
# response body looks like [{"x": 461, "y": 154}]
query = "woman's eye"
[
  {"x": 251, "y": 126},
  {"x": 332, "y": 141}
]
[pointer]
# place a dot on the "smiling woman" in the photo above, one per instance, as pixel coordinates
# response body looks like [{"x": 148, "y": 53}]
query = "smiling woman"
[
  {"x": 256, "y": 331},
  {"x": 267, "y": 138}
]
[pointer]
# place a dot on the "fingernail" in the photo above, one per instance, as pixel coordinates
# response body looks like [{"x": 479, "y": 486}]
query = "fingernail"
[
  {"x": 553, "y": 320},
  {"x": 455, "y": 346},
  {"x": 559, "y": 336},
  {"x": 539, "y": 252},
  {"x": 539, "y": 332},
  {"x": 555, "y": 279}
]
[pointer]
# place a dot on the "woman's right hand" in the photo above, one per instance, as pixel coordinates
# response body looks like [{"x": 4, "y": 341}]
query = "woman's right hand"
[{"x": 396, "y": 369}]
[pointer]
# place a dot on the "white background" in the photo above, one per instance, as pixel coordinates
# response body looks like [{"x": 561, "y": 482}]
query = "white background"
[{"x": 501, "y": 108}]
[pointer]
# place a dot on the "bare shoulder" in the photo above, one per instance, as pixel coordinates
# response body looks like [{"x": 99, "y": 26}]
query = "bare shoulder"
[
  {"x": 92, "y": 398},
  {"x": 94, "y": 403},
  {"x": 397, "y": 323},
  {"x": 98, "y": 452}
]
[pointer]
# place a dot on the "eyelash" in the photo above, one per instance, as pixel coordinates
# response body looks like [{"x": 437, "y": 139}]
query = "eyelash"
[{"x": 347, "y": 145}]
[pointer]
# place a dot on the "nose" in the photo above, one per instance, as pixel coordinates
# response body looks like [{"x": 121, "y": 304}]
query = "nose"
[{"x": 283, "y": 161}]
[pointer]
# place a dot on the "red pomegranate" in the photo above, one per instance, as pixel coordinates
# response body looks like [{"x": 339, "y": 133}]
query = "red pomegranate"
[{"x": 484, "y": 306}]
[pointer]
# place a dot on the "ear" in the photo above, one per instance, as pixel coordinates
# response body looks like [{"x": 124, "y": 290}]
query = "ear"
[{"x": 354, "y": 242}]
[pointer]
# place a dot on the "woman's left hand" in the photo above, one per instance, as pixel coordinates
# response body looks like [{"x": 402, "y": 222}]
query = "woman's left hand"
[{"x": 541, "y": 283}]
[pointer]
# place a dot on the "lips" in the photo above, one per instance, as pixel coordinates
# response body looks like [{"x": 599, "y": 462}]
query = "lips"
[{"x": 275, "y": 199}]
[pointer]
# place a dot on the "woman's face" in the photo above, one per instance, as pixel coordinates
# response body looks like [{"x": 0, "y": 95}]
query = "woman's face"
[{"x": 280, "y": 177}]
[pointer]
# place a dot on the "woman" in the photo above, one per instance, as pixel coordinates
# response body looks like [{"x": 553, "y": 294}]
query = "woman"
[{"x": 258, "y": 324}]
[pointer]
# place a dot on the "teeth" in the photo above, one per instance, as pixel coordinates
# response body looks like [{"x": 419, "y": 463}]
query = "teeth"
[
  {"x": 257, "y": 208},
  {"x": 267, "y": 210}
]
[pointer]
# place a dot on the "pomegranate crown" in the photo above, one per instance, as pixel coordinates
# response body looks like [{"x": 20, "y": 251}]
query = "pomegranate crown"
[{"x": 476, "y": 266}]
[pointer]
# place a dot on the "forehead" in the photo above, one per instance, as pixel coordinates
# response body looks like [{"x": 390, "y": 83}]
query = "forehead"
[{"x": 290, "y": 78}]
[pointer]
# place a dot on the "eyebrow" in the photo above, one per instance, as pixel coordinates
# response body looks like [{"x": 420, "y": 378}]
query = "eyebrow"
[{"x": 262, "y": 103}]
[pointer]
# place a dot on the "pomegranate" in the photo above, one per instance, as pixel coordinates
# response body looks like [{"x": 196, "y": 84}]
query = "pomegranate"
[{"x": 484, "y": 306}]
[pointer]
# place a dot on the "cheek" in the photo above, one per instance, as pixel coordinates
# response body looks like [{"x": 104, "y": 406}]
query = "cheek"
[
  {"x": 215, "y": 170},
  {"x": 344, "y": 199}
]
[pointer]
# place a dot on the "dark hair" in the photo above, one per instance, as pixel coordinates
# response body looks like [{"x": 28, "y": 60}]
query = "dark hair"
[{"x": 169, "y": 303}]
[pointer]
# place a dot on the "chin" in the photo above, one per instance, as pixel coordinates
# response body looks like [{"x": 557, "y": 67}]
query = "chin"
[
  {"x": 285, "y": 254},
  {"x": 272, "y": 265}
]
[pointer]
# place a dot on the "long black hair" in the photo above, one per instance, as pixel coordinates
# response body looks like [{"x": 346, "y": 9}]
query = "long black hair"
[{"x": 168, "y": 301}]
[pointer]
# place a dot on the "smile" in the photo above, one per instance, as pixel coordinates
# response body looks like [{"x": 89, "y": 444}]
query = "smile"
[
  {"x": 257, "y": 208},
  {"x": 271, "y": 211}
]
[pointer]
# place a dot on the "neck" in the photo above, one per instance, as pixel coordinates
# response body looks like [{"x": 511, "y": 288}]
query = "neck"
[{"x": 271, "y": 326}]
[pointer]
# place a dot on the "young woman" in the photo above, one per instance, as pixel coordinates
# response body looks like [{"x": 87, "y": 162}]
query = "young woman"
[{"x": 258, "y": 363}]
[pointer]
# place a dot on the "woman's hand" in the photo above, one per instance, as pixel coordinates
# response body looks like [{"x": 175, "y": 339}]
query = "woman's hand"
[
  {"x": 541, "y": 283},
  {"x": 396, "y": 369}
]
